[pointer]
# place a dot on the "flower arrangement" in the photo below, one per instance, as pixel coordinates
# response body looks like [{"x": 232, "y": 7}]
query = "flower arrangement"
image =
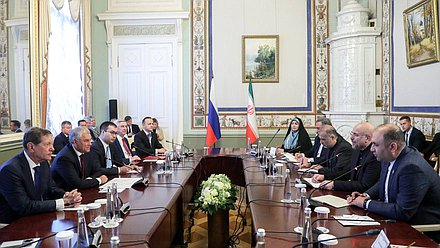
[{"x": 217, "y": 192}]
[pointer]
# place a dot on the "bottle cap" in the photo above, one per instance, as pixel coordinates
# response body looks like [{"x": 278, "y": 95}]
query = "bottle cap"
[
  {"x": 322, "y": 210},
  {"x": 287, "y": 171},
  {"x": 64, "y": 235},
  {"x": 261, "y": 231},
  {"x": 114, "y": 240},
  {"x": 307, "y": 210}
]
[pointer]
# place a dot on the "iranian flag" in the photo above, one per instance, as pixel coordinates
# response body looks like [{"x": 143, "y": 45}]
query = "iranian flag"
[{"x": 251, "y": 124}]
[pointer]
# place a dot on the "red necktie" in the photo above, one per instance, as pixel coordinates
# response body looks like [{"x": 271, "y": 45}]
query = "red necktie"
[
  {"x": 126, "y": 147},
  {"x": 83, "y": 166}
]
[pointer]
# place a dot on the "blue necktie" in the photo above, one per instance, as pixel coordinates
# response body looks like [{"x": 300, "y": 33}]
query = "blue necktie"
[
  {"x": 108, "y": 157},
  {"x": 37, "y": 181}
]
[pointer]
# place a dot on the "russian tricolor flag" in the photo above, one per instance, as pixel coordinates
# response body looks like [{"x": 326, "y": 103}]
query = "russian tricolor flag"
[{"x": 213, "y": 129}]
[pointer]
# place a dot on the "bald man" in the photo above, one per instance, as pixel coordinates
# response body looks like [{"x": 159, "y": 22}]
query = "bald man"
[
  {"x": 367, "y": 175},
  {"x": 408, "y": 189}
]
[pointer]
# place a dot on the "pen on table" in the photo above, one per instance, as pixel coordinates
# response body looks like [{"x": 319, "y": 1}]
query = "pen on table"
[{"x": 411, "y": 244}]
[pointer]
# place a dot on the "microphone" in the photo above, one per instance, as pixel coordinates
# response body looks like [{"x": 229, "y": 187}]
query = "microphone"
[
  {"x": 116, "y": 162},
  {"x": 273, "y": 137},
  {"x": 321, "y": 163},
  {"x": 186, "y": 154},
  {"x": 367, "y": 233},
  {"x": 142, "y": 150},
  {"x": 334, "y": 179}
]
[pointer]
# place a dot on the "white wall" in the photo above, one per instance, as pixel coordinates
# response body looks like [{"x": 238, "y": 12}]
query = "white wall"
[
  {"x": 418, "y": 86},
  {"x": 286, "y": 18}
]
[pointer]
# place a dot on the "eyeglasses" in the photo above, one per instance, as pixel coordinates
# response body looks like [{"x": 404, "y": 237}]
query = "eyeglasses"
[{"x": 111, "y": 132}]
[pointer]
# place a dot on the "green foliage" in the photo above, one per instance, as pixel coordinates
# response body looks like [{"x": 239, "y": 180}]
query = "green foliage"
[
  {"x": 217, "y": 192},
  {"x": 266, "y": 62}
]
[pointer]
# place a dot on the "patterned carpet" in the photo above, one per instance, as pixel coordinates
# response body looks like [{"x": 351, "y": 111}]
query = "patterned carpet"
[{"x": 199, "y": 232}]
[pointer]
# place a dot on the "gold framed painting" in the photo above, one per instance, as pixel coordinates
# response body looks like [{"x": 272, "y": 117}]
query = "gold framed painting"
[
  {"x": 421, "y": 33},
  {"x": 260, "y": 58}
]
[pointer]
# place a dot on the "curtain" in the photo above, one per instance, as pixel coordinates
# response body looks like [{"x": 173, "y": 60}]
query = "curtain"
[
  {"x": 43, "y": 32},
  {"x": 65, "y": 84}
]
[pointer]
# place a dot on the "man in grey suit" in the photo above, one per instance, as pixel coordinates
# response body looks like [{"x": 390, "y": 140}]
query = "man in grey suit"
[
  {"x": 408, "y": 189},
  {"x": 26, "y": 186}
]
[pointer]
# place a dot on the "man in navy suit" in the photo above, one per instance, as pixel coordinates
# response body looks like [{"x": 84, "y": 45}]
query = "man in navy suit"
[
  {"x": 15, "y": 126},
  {"x": 368, "y": 174},
  {"x": 338, "y": 156},
  {"x": 26, "y": 187},
  {"x": 104, "y": 151},
  {"x": 408, "y": 189},
  {"x": 62, "y": 139},
  {"x": 413, "y": 136},
  {"x": 318, "y": 152},
  {"x": 122, "y": 147},
  {"x": 132, "y": 128},
  {"x": 146, "y": 142},
  {"x": 73, "y": 167}
]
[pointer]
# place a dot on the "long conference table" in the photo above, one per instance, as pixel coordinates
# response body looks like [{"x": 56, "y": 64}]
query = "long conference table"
[{"x": 157, "y": 214}]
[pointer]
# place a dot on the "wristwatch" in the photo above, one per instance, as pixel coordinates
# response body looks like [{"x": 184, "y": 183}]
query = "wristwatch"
[{"x": 364, "y": 205}]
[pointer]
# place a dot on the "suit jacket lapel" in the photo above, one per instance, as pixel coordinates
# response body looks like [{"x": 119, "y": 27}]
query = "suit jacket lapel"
[{"x": 28, "y": 180}]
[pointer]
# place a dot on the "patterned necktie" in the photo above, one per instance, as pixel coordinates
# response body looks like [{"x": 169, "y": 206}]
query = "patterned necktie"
[
  {"x": 37, "y": 181},
  {"x": 108, "y": 158},
  {"x": 124, "y": 142},
  {"x": 83, "y": 165}
]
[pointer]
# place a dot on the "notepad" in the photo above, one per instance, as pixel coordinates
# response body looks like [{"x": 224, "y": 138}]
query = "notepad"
[
  {"x": 331, "y": 200},
  {"x": 356, "y": 220},
  {"x": 310, "y": 182},
  {"x": 123, "y": 183}
]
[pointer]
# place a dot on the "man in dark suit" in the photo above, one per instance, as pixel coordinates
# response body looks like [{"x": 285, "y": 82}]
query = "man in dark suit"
[
  {"x": 433, "y": 149},
  {"x": 368, "y": 174},
  {"x": 146, "y": 142},
  {"x": 413, "y": 136},
  {"x": 73, "y": 167},
  {"x": 62, "y": 139},
  {"x": 318, "y": 152},
  {"x": 103, "y": 151},
  {"x": 132, "y": 128},
  {"x": 408, "y": 189},
  {"x": 338, "y": 156},
  {"x": 26, "y": 187},
  {"x": 122, "y": 146},
  {"x": 15, "y": 126}
]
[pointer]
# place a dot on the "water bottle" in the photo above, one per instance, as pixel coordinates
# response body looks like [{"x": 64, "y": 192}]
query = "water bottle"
[
  {"x": 259, "y": 149},
  {"x": 249, "y": 145},
  {"x": 168, "y": 163},
  {"x": 83, "y": 238},
  {"x": 307, "y": 235},
  {"x": 264, "y": 159},
  {"x": 261, "y": 242},
  {"x": 287, "y": 188},
  {"x": 116, "y": 203},
  {"x": 114, "y": 242},
  {"x": 302, "y": 206}
]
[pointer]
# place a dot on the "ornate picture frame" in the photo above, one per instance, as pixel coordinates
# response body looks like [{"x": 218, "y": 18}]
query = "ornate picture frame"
[
  {"x": 421, "y": 33},
  {"x": 260, "y": 58}
]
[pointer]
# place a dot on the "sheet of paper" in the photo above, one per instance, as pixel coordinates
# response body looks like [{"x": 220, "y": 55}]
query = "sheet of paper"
[
  {"x": 19, "y": 243},
  {"x": 302, "y": 170},
  {"x": 309, "y": 181},
  {"x": 290, "y": 157},
  {"x": 356, "y": 220},
  {"x": 381, "y": 241},
  {"x": 123, "y": 183},
  {"x": 331, "y": 200}
]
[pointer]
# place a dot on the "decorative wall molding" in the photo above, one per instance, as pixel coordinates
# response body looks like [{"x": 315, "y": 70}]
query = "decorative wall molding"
[
  {"x": 4, "y": 76},
  {"x": 386, "y": 54},
  {"x": 159, "y": 29},
  {"x": 320, "y": 30},
  {"x": 199, "y": 62}
]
